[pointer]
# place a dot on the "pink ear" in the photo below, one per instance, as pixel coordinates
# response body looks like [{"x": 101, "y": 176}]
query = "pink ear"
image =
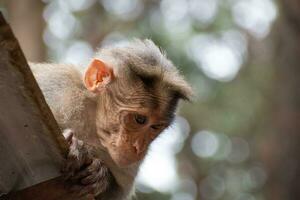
[{"x": 97, "y": 76}]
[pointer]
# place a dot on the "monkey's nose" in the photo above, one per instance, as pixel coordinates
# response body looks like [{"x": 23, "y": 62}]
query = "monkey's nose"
[{"x": 139, "y": 147}]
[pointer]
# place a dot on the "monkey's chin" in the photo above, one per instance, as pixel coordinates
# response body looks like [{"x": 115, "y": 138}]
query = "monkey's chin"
[{"x": 125, "y": 161}]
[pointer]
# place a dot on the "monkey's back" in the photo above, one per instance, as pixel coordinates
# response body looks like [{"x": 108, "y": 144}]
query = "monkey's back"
[{"x": 62, "y": 87}]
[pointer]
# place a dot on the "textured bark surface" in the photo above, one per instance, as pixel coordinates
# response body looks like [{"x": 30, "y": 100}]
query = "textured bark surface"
[
  {"x": 31, "y": 143},
  {"x": 54, "y": 189}
]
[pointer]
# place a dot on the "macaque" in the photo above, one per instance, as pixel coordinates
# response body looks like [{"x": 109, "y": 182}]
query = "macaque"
[{"x": 127, "y": 96}]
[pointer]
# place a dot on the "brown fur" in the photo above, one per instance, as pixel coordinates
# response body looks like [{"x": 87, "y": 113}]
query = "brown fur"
[{"x": 145, "y": 83}]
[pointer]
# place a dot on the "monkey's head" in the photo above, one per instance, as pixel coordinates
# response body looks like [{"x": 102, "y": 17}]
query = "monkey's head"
[{"x": 138, "y": 90}]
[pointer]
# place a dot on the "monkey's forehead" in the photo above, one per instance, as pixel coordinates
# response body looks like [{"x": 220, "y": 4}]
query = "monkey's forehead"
[
  {"x": 146, "y": 60},
  {"x": 143, "y": 52}
]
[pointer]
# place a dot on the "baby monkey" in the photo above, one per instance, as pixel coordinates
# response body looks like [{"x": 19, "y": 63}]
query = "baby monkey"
[{"x": 111, "y": 114}]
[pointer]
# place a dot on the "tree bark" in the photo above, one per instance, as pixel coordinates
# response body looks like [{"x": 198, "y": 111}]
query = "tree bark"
[{"x": 31, "y": 144}]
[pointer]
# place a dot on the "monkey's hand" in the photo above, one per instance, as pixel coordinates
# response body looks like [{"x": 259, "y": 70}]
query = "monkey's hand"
[{"x": 87, "y": 175}]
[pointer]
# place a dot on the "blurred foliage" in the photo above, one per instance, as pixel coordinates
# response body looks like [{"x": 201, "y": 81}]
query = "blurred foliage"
[{"x": 223, "y": 48}]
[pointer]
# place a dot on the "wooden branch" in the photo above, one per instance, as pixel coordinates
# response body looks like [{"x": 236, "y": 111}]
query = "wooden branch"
[
  {"x": 54, "y": 189},
  {"x": 31, "y": 143}
]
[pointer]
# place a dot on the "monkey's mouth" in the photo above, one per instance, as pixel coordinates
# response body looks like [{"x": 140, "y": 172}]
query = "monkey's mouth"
[{"x": 126, "y": 159}]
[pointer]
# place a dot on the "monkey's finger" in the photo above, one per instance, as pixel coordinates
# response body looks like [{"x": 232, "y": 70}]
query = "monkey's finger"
[
  {"x": 95, "y": 166},
  {"x": 69, "y": 169},
  {"x": 90, "y": 179},
  {"x": 88, "y": 159},
  {"x": 91, "y": 169},
  {"x": 80, "y": 175},
  {"x": 76, "y": 144},
  {"x": 68, "y": 134},
  {"x": 102, "y": 173},
  {"x": 71, "y": 164},
  {"x": 100, "y": 187},
  {"x": 77, "y": 153},
  {"x": 68, "y": 175},
  {"x": 94, "y": 169}
]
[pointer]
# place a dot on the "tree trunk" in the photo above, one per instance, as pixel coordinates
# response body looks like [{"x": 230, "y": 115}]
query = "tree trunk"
[
  {"x": 26, "y": 19},
  {"x": 284, "y": 163},
  {"x": 31, "y": 144}
]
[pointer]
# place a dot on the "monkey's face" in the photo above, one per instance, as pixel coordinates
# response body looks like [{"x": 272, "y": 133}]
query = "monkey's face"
[
  {"x": 137, "y": 101},
  {"x": 131, "y": 140},
  {"x": 131, "y": 122}
]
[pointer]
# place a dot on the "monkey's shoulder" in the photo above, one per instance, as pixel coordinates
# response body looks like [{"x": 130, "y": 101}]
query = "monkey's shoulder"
[
  {"x": 60, "y": 72},
  {"x": 62, "y": 87}
]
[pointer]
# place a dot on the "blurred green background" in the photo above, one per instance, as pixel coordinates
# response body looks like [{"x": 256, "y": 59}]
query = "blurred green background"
[{"x": 239, "y": 137}]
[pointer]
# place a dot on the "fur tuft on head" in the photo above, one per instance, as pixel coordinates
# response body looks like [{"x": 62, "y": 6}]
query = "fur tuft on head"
[{"x": 147, "y": 61}]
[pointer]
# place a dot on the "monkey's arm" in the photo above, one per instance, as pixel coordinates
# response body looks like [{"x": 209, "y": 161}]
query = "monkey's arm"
[{"x": 86, "y": 173}]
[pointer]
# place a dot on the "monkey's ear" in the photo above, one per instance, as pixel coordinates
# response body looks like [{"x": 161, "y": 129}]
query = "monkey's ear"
[{"x": 97, "y": 76}]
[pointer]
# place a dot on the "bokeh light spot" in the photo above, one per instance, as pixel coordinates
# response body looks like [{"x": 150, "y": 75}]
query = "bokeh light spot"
[
  {"x": 205, "y": 144},
  {"x": 79, "y": 53},
  {"x": 124, "y": 9},
  {"x": 256, "y": 16},
  {"x": 203, "y": 11},
  {"x": 219, "y": 58},
  {"x": 158, "y": 171}
]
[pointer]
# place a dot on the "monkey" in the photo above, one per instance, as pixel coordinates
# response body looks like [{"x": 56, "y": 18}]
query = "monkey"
[{"x": 112, "y": 112}]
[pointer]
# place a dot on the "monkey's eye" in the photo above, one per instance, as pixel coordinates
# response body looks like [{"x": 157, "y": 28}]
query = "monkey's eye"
[
  {"x": 140, "y": 119},
  {"x": 157, "y": 126}
]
